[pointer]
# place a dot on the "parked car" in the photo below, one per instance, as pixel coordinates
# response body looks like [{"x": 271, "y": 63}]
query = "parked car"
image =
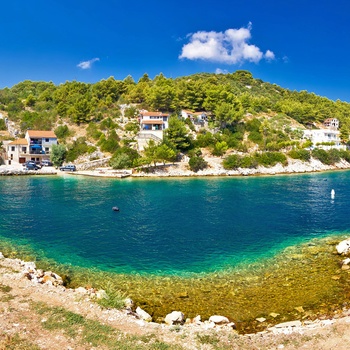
[
  {"x": 69, "y": 167},
  {"x": 31, "y": 166},
  {"x": 46, "y": 162}
]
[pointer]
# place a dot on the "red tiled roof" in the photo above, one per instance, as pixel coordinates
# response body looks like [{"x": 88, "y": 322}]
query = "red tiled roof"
[
  {"x": 41, "y": 133},
  {"x": 19, "y": 142},
  {"x": 157, "y": 114}
]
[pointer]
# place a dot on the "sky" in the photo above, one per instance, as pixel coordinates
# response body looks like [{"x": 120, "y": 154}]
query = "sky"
[{"x": 297, "y": 44}]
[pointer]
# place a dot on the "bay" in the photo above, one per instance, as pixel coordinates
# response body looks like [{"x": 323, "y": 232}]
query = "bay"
[{"x": 171, "y": 226}]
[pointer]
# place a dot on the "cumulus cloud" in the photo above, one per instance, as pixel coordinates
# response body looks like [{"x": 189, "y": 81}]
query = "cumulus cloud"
[
  {"x": 229, "y": 47},
  {"x": 87, "y": 64}
]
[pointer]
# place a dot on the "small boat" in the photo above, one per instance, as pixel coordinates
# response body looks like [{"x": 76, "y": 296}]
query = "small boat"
[{"x": 115, "y": 209}]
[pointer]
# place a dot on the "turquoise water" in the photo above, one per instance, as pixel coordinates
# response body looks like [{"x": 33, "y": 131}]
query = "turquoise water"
[{"x": 170, "y": 226}]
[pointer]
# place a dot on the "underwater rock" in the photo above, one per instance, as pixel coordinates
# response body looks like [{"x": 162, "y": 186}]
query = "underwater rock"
[
  {"x": 261, "y": 319},
  {"x": 218, "y": 319},
  {"x": 346, "y": 261},
  {"x": 343, "y": 247},
  {"x": 1, "y": 256},
  {"x": 175, "y": 317},
  {"x": 143, "y": 314}
]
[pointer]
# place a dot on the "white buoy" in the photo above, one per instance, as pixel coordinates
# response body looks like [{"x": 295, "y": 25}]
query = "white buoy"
[{"x": 332, "y": 194}]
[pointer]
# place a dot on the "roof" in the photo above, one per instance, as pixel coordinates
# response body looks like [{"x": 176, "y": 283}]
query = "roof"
[
  {"x": 41, "y": 133},
  {"x": 19, "y": 142},
  {"x": 152, "y": 121},
  {"x": 151, "y": 114}
]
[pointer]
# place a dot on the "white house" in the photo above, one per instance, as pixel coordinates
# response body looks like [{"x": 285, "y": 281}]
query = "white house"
[
  {"x": 153, "y": 121},
  {"x": 36, "y": 146},
  {"x": 321, "y": 136},
  {"x": 332, "y": 123},
  {"x": 195, "y": 117}
]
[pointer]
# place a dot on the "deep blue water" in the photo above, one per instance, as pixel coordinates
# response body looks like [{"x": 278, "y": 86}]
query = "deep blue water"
[{"x": 170, "y": 225}]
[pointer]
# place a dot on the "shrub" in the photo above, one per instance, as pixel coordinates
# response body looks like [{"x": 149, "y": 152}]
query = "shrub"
[
  {"x": 62, "y": 132},
  {"x": 345, "y": 155},
  {"x": 249, "y": 162},
  {"x": 269, "y": 159},
  {"x": 197, "y": 163},
  {"x": 322, "y": 156},
  {"x": 232, "y": 162},
  {"x": 301, "y": 154}
]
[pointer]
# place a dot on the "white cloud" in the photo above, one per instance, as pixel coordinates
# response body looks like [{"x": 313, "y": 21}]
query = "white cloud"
[
  {"x": 229, "y": 47},
  {"x": 87, "y": 64},
  {"x": 269, "y": 55}
]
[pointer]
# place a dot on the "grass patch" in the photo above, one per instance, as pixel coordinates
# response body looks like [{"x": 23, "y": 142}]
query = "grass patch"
[
  {"x": 4, "y": 288},
  {"x": 93, "y": 333},
  {"x": 15, "y": 342}
]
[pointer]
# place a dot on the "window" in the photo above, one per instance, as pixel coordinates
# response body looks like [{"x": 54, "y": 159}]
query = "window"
[
  {"x": 47, "y": 140},
  {"x": 47, "y": 149},
  {"x": 24, "y": 149},
  {"x": 13, "y": 148}
]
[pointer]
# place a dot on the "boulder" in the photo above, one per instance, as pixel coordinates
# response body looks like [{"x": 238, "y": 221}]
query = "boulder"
[
  {"x": 101, "y": 294},
  {"x": 143, "y": 314},
  {"x": 81, "y": 290},
  {"x": 219, "y": 319},
  {"x": 1, "y": 256},
  {"x": 288, "y": 324},
  {"x": 175, "y": 317},
  {"x": 343, "y": 247}
]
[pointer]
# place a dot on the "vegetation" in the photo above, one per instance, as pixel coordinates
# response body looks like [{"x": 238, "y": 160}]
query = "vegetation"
[{"x": 244, "y": 114}]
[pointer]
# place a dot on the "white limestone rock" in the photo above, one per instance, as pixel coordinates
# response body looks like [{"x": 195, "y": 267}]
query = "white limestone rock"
[
  {"x": 175, "y": 317},
  {"x": 101, "y": 294},
  {"x": 1, "y": 256},
  {"x": 343, "y": 247},
  {"x": 143, "y": 314},
  {"x": 218, "y": 319}
]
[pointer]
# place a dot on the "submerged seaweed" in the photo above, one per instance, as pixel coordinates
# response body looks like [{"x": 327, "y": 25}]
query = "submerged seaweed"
[{"x": 302, "y": 281}]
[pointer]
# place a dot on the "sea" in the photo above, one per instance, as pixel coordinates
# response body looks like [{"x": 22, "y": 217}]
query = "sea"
[{"x": 173, "y": 228}]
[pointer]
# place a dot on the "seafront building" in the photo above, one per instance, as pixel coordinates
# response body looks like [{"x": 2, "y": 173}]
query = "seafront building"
[
  {"x": 326, "y": 138},
  {"x": 35, "y": 146}
]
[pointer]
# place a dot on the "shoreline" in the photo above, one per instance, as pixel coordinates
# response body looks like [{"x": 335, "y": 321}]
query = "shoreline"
[
  {"x": 180, "y": 169},
  {"x": 19, "y": 275}
]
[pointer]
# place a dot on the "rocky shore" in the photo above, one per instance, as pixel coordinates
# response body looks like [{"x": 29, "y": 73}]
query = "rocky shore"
[{"x": 22, "y": 284}]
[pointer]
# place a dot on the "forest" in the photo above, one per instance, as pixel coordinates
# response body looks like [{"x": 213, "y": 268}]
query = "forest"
[{"x": 244, "y": 113}]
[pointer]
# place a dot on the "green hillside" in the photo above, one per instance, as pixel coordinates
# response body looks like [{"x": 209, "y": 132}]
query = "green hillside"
[{"x": 245, "y": 114}]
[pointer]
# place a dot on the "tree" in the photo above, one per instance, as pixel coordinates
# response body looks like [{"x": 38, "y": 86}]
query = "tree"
[
  {"x": 228, "y": 113},
  {"x": 176, "y": 134},
  {"x": 197, "y": 163},
  {"x": 124, "y": 158},
  {"x": 165, "y": 153},
  {"x": 58, "y": 154},
  {"x": 220, "y": 148}
]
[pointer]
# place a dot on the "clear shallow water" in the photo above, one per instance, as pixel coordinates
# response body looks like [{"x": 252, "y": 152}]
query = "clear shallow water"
[{"x": 170, "y": 226}]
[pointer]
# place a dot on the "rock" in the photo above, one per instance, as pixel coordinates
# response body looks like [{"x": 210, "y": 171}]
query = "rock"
[
  {"x": 101, "y": 294},
  {"x": 29, "y": 266},
  {"x": 1, "y": 256},
  {"x": 128, "y": 303},
  {"x": 195, "y": 320},
  {"x": 175, "y": 317},
  {"x": 143, "y": 314},
  {"x": 81, "y": 290},
  {"x": 346, "y": 261},
  {"x": 345, "y": 267},
  {"x": 219, "y": 319},
  {"x": 288, "y": 324},
  {"x": 299, "y": 309},
  {"x": 274, "y": 314},
  {"x": 261, "y": 319},
  {"x": 343, "y": 247}
]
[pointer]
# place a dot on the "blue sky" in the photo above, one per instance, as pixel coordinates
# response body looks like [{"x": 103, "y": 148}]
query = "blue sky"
[{"x": 297, "y": 44}]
